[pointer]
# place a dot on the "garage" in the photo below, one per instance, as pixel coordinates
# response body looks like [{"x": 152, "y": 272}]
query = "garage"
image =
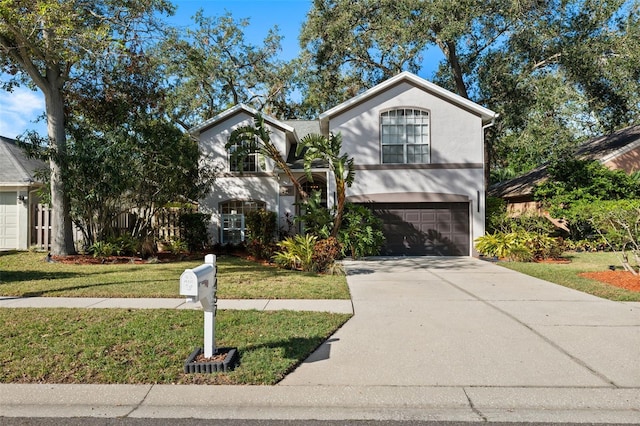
[
  {"x": 8, "y": 220},
  {"x": 424, "y": 229}
]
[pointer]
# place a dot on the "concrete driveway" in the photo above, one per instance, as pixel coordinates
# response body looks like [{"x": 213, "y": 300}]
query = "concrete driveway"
[{"x": 462, "y": 322}]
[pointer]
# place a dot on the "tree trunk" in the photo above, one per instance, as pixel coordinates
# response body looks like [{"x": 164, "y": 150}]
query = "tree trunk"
[{"x": 61, "y": 232}]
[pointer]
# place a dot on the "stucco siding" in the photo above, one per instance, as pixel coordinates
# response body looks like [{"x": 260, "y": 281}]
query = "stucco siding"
[
  {"x": 455, "y": 134},
  {"x": 232, "y": 188},
  {"x": 214, "y": 139}
]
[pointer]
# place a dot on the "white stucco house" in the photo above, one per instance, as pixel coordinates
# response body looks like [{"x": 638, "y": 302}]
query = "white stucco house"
[
  {"x": 419, "y": 155},
  {"x": 17, "y": 187}
]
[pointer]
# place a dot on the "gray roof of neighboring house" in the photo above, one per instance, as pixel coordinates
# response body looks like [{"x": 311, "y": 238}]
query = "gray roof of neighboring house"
[
  {"x": 601, "y": 148},
  {"x": 15, "y": 166}
]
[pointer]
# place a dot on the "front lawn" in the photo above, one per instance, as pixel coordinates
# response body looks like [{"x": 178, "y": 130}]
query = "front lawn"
[
  {"x": 26, "y": 274},
  {"x": 150, "y": 346},
  {"x": 568, "y": 274}
]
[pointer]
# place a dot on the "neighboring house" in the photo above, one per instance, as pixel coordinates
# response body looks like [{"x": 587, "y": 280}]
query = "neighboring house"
[
  {"x": 17, "y": 184},
  {"x": 419, "y": 155},
  {"x": 618, "y": 150}
]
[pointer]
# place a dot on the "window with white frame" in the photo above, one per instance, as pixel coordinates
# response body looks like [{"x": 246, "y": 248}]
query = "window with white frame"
[
  {"x": 233, "y": 213},
  {"x": 405, "y": 136},
  {"x": 249, "y": 163}
]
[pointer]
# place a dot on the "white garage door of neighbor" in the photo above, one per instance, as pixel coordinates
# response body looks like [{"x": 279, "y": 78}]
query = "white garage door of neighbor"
[{"x": 8, "y": 220}]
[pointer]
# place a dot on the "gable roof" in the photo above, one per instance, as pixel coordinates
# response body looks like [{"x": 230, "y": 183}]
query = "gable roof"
[
  {"x": 236, "y": 110},
  {"x": 602, "y": 148},
  {"x": 486, "y": 114},
  {"x": 15, "y": 167}
]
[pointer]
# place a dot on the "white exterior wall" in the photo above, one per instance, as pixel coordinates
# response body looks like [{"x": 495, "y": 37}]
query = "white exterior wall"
[
  {"x": 228, "y": 186},
  {"x": 247, "y": 188},
  {"x": 456, "y": 138},
  {"x": 456, "y": 134},
  {"x": 214, "y": 139}
]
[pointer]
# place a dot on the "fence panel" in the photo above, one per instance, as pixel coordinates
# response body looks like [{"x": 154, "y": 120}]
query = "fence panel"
[{"x": 165, "y": 222}]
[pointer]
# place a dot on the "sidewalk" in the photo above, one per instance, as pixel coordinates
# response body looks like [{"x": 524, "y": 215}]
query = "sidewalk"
[
  {"x": 325, "y": 305},
  {"x": 453, "y": 339}
]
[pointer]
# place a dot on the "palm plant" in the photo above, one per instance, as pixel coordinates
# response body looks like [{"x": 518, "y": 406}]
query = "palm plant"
[
  {"x": 328, "y": 149},
  {"x": 256, "y": 139}
]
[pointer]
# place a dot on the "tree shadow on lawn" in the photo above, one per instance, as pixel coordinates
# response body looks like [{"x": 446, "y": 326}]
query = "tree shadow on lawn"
[
  {"x": 8, "y": 277},
  {"x": 23, "y": 276}
]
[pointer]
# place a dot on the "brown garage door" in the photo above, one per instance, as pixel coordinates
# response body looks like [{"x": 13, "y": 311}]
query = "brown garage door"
[{"x": 419, "y": 229}]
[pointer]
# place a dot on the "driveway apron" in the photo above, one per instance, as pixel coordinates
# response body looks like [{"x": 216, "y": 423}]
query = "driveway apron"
[{"x": 433, "y": 321}]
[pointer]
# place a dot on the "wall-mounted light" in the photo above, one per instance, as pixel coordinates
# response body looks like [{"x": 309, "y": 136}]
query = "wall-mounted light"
[{"x": 22, "y": 198}]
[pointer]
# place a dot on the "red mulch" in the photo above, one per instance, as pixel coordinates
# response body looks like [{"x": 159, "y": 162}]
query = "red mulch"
[{"x": 622, "y": 279}]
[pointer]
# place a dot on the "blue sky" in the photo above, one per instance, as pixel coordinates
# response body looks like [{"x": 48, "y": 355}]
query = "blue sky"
[{"x": 20, "y": 108}]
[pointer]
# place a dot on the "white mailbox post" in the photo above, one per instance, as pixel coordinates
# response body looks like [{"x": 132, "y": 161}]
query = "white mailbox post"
[{"x": 199, "y": 284}]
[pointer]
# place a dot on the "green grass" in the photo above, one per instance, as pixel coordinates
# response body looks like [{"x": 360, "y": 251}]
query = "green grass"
[
  {"x": 567, "y": 274},
  {"x": 26, "y": 274},
  {"x": 150, "y": 346}
]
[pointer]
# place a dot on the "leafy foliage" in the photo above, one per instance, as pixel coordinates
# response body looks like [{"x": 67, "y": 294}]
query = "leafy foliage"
[
  {"x": 521, "y": 245},
  {"x": 361, "y": 232},
  {"x": 318, "y": 147},
  {"x": 52, "y": 44},
  {"x": 212, "y": 66},
  {"x": 296, "y": 252},
  {"x": 193, "y": 230},
  {"x": 317, "y": 219},
  {"x": 325, "y": 253},
  {"x": 254, "y": 138},
  {"x": 618, "y": 224},
  {"x": 261, "y": 225},
  {"x": 574, "y": 183}
]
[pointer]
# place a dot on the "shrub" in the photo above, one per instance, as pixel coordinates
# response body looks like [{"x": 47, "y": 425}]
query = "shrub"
[
  {"x": 261, "y": 250},
  {"x": 501, "y": 245},
  {"x": 296, "y": 252},
  {"x": 261, "y": 225},
  {"x": 125, "y": 245},
  {"x": 193, "y": 230},
  {"x": 496, "y": 214},
  {"x": 325, "y": 253},
  {"x": 361, "y": 232},
  {"x": 178, "y": 246},
  {"x": 102, "y": 249},
  {"x": 520, "y": 246}
]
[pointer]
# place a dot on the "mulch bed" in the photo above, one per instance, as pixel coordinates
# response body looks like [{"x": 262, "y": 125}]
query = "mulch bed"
[
  {"x": 83, "y": 259},
  {"x": 622, "y": 279}
]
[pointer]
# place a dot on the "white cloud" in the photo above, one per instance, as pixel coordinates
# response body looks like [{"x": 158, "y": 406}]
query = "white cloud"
[{"x": 19, "y": 110}]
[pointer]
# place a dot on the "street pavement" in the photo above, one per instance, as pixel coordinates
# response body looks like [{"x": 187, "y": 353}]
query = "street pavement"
[{"x": 455, "y": 339}]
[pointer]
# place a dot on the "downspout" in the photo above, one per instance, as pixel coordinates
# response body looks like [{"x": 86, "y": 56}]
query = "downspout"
[{"x": 483, "y": 196}]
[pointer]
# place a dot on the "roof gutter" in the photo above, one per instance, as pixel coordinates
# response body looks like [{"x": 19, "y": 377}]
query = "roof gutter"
[{"x": 491, "y": 123}]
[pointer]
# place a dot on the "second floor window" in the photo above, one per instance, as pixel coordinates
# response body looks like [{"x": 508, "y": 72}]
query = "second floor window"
[
  {"x": 251, "y": 162},
  {"x": 405, "y": 136}
]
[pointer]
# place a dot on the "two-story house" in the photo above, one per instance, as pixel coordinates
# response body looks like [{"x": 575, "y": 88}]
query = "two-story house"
[{"x": 419, "y": 155}]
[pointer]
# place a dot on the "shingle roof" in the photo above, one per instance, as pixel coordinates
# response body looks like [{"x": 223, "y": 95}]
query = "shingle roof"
[
  {"x": 302, "y": 129},
  {"x": 602, "y": 148},
  {"x": 15, "y": 166}
]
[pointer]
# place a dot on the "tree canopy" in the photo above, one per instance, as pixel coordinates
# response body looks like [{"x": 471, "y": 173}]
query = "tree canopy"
[
  {"x": 46, "y": 44},
  {"x": 556, "y": 71}
]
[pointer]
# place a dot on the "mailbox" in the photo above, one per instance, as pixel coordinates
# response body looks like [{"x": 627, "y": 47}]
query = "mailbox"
[{"x": 199, "y": 285}]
